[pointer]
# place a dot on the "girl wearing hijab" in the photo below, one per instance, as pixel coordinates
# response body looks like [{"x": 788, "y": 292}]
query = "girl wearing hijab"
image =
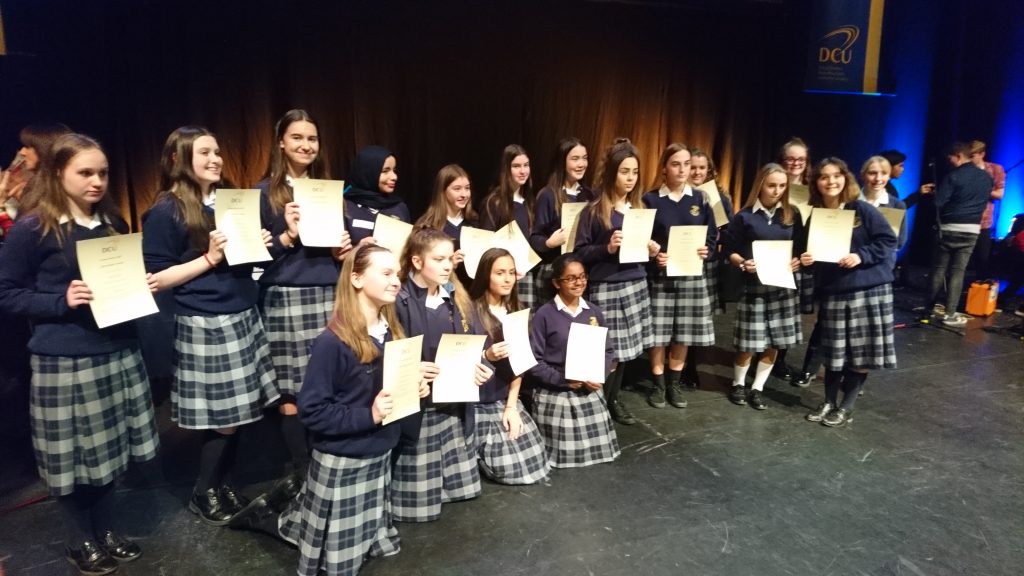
[{"x": 371, "y": 191}]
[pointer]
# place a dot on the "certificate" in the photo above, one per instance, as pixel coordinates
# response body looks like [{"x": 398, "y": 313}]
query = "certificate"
[
  {"x": 586, "y": 343},
  {"x": 473, "y": 242},
  {"x": 516, "y": 328},
  {"x": 402, "y": 376},
  {"x": 774, "y": 260},
  {"x": 391, "y": 233},
  {"x": 237, "y": 214},
  {"x": 637, "y": 225},
  {"x": 113, "y": 269},
  {"x": 800, "y": 198},
  {"x": 511, "y": 238},
  {"x": 715, "y": 201},
  {"x": 894, "y": 216},
  {"x": 683, "y": 242},
  {"x": 828, "y": 239},
  {"x": 321, "y": 211},
  {"x": 571, "y": 223},
  {"x": 457, "y": 357}
]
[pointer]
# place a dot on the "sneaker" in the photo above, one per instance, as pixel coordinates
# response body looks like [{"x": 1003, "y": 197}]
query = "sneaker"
[
  {"x": 819, "y": 413},
  {"x": 675, "y": 395},
  {"x": 954, "y": 321},
  {"x": 738, "y": 395},
  {"x": 621, "y": 414},
  {"x": 756, "y": 400},
  {"x": 939, "y": 310},
  {"x": 837, "y": 417},
  {"x": 803, "y": 379},
  {"x": 656, "y": 398}
]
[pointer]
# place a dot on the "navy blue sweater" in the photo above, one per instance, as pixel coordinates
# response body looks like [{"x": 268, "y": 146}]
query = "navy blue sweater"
[
  {"x": 689, "y": 211},
  {"x": 336, "y": 400},
  {"x": 963, "y": 194},
  {"x": 35, "y": 272},
  {"x": 549, "y": 337},
  {"x": 359, "y": 220},
  {"x": 296, "y": 266},
  {"x": 592, "y": 247},
  {"x": 546, "y": 220},
  {"x": 221, "y": 290},
  {"x": 896, "y": 203},
  {"x": 489, "y": 220},
  {"x": 746, "y": 226},
  {"x": 875, "y": 243}
]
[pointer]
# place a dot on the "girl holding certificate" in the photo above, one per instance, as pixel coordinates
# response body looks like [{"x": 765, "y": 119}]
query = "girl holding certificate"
[
  {"x": 90, "y": 403},
  {"x": 680, "y": 306},
  {"x": 571, "y": 415},
  {"x": 856, "y": 314},
  {"x": 620, "y": 290},
  {"x": 512, "y": 199},
  {"x": 875, "y": 174},
  {"x": 768, "y": 318},
  {"x": 433, "y": 461},
  {"x": 297, "y": 288},
  {"x": 565, "y": 186},
  {"x": 510, "y": 448},
  {"x": 451, "y": 208},
  {"x": 371, "y": 192},
  {"x": 223, "y": 375}
]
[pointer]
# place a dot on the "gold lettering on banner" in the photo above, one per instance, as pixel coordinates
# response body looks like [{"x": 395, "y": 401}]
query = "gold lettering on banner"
[{"x": 842, "y": 54}]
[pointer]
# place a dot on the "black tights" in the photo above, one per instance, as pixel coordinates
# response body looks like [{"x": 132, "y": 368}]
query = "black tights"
[{"x": 86, "y": 512}]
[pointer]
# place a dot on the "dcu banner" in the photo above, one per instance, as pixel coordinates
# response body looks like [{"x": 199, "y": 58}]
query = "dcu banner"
[{"x": 846, "y": 41}]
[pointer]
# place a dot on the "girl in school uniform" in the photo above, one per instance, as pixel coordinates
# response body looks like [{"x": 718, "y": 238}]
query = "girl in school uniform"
[
  {"x": 451, "y": 209},
  {"x": 768, "y": 317},
  {"x": 680, "y": 306},
  {"x": 223, "y": 375},
  {"x": 619, "y": 290},
  {"x": 572, "y": 416},
  {"x": 856, "y": 314},
  {"x": 513, "y": 199},
  {"x": 297, "y": 287},
  {"x": 434, "y": 462},
  {"x": 565, "y": 185},
  {"x": 371, "y": 191},
  {"x": 90, "y": 402},
  {"x": 509, "y": 446}
]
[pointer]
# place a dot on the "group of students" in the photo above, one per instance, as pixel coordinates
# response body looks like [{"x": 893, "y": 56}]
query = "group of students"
[{"x": 308, "y": 336}]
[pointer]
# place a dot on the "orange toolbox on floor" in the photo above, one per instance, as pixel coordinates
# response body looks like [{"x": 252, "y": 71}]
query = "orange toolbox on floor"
[{"x": 981, "y": 298}]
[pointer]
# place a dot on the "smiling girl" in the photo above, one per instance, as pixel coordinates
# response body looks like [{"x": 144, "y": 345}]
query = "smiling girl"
[
  {"x": 512, "y": 199},
  {"x": 373, "y": 178},
  {"x": 451, "y": 209}
]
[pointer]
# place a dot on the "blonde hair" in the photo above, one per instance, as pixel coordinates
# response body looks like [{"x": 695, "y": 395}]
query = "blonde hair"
[
  {"x": 422, "y": 239},
  {"x": 347, "y": 321},
  {"x": 759, "y": 180}
]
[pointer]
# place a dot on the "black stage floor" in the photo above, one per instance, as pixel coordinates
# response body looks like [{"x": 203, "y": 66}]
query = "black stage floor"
[{"x": 927, "y": 481}]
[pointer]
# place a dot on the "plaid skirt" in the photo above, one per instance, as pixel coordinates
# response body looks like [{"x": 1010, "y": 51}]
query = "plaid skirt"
[
  {"x": 711, "y": 266},
  {"x": 293, "y": 317},
  {"x": 222, "y": 371},
  {"x": 627, "y": 310},
  {"x": 439, "y": 468},
  {"x": 767, "y": 317},
  {"x": 520, "y": 461},
  {"x": 90, "y": 416},
  {"x": 857, "y": 329},
  {"x": 544, "y": 291},
  {"x": 342, "y": 515},
  {"x": 527, "y": 289},
  {"x": 682, "y": 311},
  {"x": 576, "y": 427}
]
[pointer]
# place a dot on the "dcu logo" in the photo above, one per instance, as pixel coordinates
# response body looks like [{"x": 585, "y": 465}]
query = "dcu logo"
[{"x": 845, "y": 37}]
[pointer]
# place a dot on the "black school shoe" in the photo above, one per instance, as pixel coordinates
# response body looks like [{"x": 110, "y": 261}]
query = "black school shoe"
[
  {"x": 756, "y": 400},
  {"x": 803, "y": 380},
  {"x": 91, "y": 559},
  {"x": 738, "y": 395},
  {"x": 782, "y": 371},
  {"x": 233, "y": 501},
  {"x": 210, "y": 507},
  {"x": 620, "y": 413},
  {"x": 119, "y": 548}
]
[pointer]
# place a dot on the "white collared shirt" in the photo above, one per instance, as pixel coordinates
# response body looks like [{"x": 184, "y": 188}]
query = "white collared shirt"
[
  {"x": 664, "y": 191},
  {"x": 378, "y": 331},
  {"x": 456, "y": 221},
  {"x": 96, "y": 221},
  {"x": 498, "y": 310},
  {"x": 882, "y": 198},
  {"x": 518, "y": 198},
  {"x": 574, "y": 191},
  {"x": 560, "y": 305},
  {"x": 433, "y": 302},
  {"x": 759, "y": 206},
  {"x": 210, "y": 200}
]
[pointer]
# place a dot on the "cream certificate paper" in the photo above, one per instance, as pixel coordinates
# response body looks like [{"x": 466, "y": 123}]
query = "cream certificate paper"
[
  {"x": 683, "y": 242},
  {"x": 391, "y": 233},
  {"x": 895, "y": 218},
  {"x": 715, "y": 200},
  {"x": 321, "y": 211},
  {"x": 237, "y": 215},
  {"x": 114, "y": 270},
  {"x": 516, "y": 328},
  {"x": 828, "y": 239},
  {"x": 571, "y": 223},
  {"x": 637, "y": 225},
  {"x": 584, "y": 353},
  {"x": 473, "y": 242},
  {"x": 800, "y": 198},
  {"x": 511, "y": 238},
  {"x": 402, "y": 376},
  {"x": 774, "y": 262},
  {"x": 457, "y": 357}
]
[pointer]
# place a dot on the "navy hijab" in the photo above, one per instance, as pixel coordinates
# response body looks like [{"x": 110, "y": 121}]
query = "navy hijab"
[{"x": 364, "y": 179}]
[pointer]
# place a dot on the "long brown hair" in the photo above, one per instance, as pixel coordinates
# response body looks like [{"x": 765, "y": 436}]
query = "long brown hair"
[
  {"x": 277, "y": 169},
  {"x": 437, "y": 213},
  {"x": 421, "y": 241},
  {"x": 347, "y": 321},
  {"x": 39, "y": 137},
  {"x": 755, "y": 191},
  {"x": 499, "y": 202},
  {"x": 178, "y": 181},
  {"x": 605, "y": 202},
  {"x": 481, "y": 286},
  {"x": 851, "y": 190},
  {"x": 556, "y": 182},
  {"x": 52, "y": 200}
]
